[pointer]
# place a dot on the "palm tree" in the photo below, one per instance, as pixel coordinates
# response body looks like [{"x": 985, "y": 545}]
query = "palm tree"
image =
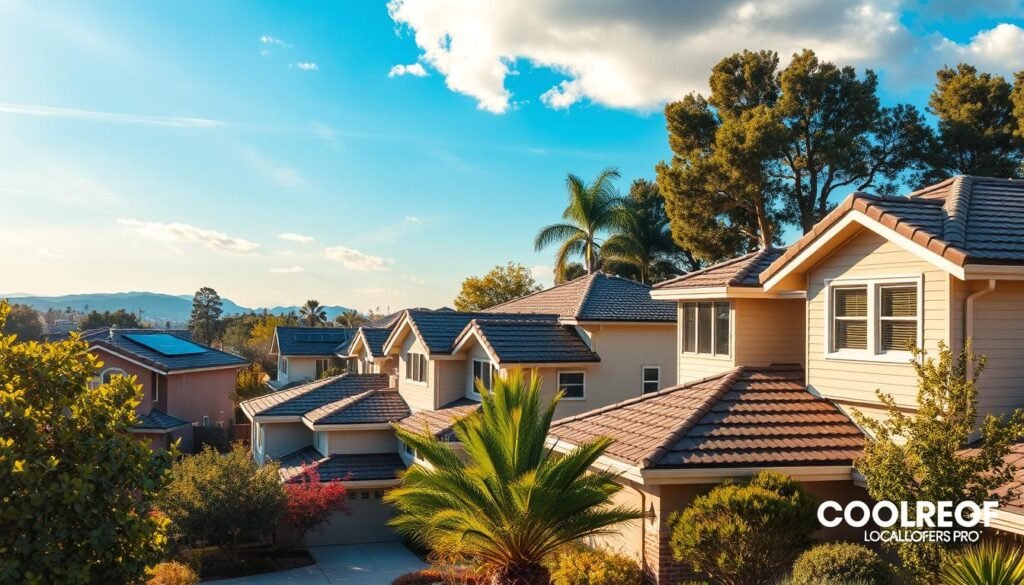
[
  {"x": 350, "y": 318},
  {"x": 511, "y": 503},
  {"x": 593, "y": 208},
  {"x": 313, "y": 313},
  {"x": 643, "y": 242}
]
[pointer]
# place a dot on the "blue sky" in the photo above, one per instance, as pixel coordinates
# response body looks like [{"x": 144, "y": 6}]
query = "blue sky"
[{"x": 168, "y": 146}]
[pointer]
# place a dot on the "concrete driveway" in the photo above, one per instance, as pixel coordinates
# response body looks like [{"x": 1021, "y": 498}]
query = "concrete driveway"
[{"x": 353, "y": 564}]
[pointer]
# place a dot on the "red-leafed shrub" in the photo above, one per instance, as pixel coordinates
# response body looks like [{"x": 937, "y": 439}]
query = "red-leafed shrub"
[{"x": 311, "y": 501}]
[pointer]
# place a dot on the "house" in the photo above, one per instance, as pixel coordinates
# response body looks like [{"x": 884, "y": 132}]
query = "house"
[
  {"x": 600, "y": 339},
  {"x": 775, "y": 349},
  {"x": 304, "y": 353},
  {"x": 184, "y": 383}
]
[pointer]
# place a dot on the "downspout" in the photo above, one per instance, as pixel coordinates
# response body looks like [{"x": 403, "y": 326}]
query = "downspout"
[{"x": 969, "y": 318}]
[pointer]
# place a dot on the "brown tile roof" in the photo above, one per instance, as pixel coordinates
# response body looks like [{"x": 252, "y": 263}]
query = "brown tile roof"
[
  {"x": 964, "y": 219},
  {"x": 742, "y": 271},
  {"x": 439, "y": 422},
  {"x": 314, "y": 395},
  {"x": 594, "y": 297},
  {"x": 743, "y": 417},
  {"x": 359, "y": 467}
]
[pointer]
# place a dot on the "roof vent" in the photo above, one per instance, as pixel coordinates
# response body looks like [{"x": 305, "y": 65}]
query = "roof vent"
[{"x": 110, "y": 334}]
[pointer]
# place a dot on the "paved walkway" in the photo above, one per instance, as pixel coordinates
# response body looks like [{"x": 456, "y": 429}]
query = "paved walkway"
[{"x": 355, "y": 564}]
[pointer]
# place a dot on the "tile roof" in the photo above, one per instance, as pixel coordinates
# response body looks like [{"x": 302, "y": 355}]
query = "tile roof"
[
  {"x": 158, "y": 420},
  {"x": 311, "y": 396},
  {"x": 742, "y": 271},
  {"x": 1014, "y": 458},
  {"x": 439, "y": 422},
  {"x": 964, "y": 219},
  {"x": 518, "y": 341},
  {"x": 373, "y": 406},
  {"x": 374, "y": 338},
  {"x": 743, "y": 417},
  {"x": 439, "y": 329},
  {"x": 115, "y": 340},
  {"x": 360, "y": 467},
  {"x": 313, "y": 341},
  {"x": 594, "y": 297}
]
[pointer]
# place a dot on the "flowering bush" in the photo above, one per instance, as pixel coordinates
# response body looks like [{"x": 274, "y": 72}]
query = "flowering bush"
[
  {"x": 310, "y": 501},
  {"x": 171, "y": 574},
  {"x": 594, "y": 567}
]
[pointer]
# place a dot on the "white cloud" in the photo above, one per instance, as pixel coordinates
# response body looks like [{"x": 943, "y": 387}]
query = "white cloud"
[
  {"x": 356, "y": 260},
  {"x": 412, "y": 219},
  {"x": 51, "y": 253},
  {"x": 295, "y": 238},
  {"x": 543, "y": 274},
  {"x": 281, "y": 174},
  {"x": 269, "y": 40},
  {"x": 634, "y": 55},
  {"x": 999, "y": 49},
  {"x": 287, "y": 270},
  {"x": 415, "y": 69},
  {"x": 185, "y": 233},
  {"x": 111, "y": 117},
  {"x": 414, "y": 279},
  {"x": 306, "y": 66}
]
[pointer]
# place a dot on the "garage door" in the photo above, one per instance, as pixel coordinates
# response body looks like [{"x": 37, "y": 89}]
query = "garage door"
[{"x": 365, "y": 521}]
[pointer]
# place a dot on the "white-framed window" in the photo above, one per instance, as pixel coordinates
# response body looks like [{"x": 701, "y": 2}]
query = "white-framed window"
[
  {"x": 284, "y": 365},
  {"x": 483, "y": 370},
  {"x": 874, "y": 319},
  {"x": 259, "y": 438},
  {"x": 108, "y": 374},
  {"x": 155, "y": 393},
  {"x": 416, "y": 367},
  {"x": 322, "y": 365},
  {"x": 573, "y": 384},
  {"x": 707, "y": 328},
  {"x": 408, "y": 450},
  {"x": 650, "y": 377},
  {"x": 206, "y": 420}
]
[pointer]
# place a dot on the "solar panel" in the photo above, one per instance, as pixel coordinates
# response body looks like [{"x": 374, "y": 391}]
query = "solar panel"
[{"x": 165, "y": 343}]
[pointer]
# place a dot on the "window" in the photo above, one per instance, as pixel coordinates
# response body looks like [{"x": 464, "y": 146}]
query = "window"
[
  {"x": 259, "y": 438},
  {"x": 408, "y": 450},
  {"x": 572, "y": 384},
  {"x": 206, "y": 421},
  {"x": 108, "y": 375},
  {"x": 873, "y": 319},
  {"x": 483, "y": 371},
  {"x": 284, "y": 366},
  {"x": 416, "y": 367},
  {"x": 651, "y": 379},
  {"x": 706, "y": 328},
  {"x": 322, "y": 365},
  {"x": 155, "y": 394}
]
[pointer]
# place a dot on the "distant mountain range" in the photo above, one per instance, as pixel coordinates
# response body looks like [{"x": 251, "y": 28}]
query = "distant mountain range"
[{"x": 155, "y": 307}]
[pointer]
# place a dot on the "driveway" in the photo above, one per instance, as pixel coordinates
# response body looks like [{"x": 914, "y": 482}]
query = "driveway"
[{"x": 352, "y": 564}]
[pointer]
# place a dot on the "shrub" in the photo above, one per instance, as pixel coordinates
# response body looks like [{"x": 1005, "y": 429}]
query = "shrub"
[
  {"x": 744, "y": 533},
  {"x": 986, "y": 564},
  {"x": 433, "y": 577},
  {"x": 840, "y": 562},
  {"x": 171, "y": 573},
  {"x": 594, "y": 567},
  {"x": 311, "y": 501},
  {"x": 250, "y": 383}
]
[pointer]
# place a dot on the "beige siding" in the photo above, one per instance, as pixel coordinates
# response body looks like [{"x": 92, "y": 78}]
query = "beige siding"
[
  {"x": 868, "y": 255},
  {"x": 362, "y": 441},
  {"x": 418, "y": 395},
  {"x": 999, "y": 336},
  {"x": 768, "y": 331}
]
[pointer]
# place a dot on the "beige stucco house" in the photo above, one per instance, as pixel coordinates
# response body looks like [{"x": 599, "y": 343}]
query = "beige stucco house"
[
  {"x": 304, "y": 353},
  {"x": 776, "y": 348}
]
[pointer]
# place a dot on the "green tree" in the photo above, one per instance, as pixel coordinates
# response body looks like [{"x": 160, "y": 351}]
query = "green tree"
[
  {"x": 313, "y": 313},
  {"x": 250, "y": 383},
  {"x": 573, "y": 270},
  {"x": 509, "y": 503},
  {"x": 500, "y": 285},
  {"x": 1018, "y": 103},
  {"x": 745, "y": 533},
  {"x": 920, "y": 457},
  {"x": 223, "y": 499},
  {"x": 976, "y": 125},
  {"x": 206, "y": 312},
  {"x": 593, "y": 208},
  {"x": 120, "y": 318},
  {"x": 642, "y": 247},
  {"x": 350, "y": 318},
  {"x": 77, "y": 487},
  {"x": 23, "y": 321}
]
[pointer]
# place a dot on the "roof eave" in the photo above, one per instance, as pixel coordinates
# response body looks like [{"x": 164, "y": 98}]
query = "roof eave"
[
  {"x": 725, "y": 292},
  {"x": 716, "y": 474}
]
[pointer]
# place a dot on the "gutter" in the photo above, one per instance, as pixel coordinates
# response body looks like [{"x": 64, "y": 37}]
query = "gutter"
[{"x": 969, "y": 317}]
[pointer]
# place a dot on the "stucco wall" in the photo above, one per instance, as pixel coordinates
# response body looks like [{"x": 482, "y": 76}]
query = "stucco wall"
[
  {"x": 868, "y": 255},
  {"x": 419, "y": 395},
  {"x": 363, "y": 441},
  {"x": 144, "y": 376},
  {"x": 299, "y": 368},
  {"x": 193, "y": 395},
  {"x": 280, "y": 439}
]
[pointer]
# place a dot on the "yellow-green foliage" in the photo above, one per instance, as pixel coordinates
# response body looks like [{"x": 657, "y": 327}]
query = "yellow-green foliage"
[
  {"x": 986, "y": 564},
  {"x": 840, "y": 562},
  {"x": 594, "y": 567},
  {"x": 171, "y": 573},
  {"x": 76, "y": 486},
  {"x": 745, "y": 533}
]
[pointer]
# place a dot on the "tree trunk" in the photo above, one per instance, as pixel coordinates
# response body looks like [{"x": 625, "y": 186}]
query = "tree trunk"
[{"x": 522, "y": 574}]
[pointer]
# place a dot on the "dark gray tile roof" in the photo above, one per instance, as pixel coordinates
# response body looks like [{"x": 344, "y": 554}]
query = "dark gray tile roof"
[
  {"x": 313, "y": 395},
  {"x": 159, "y": 420},
  {"x": 114, "y": 340},
  {"x": 439, "y": 422},
  {"x": 742, "y": 271},
  {"x": 374, "y": 338},
  {"x": 372, "y": 406},
  {"x": 440, "y": 329},
  {"x": 517, "y": 341},
  {"x": 362, "y": 467},
  {"x": 745, "y": 417},
  {"x": 595, "y": 297},
  {"x": 313, "y": 341}
]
